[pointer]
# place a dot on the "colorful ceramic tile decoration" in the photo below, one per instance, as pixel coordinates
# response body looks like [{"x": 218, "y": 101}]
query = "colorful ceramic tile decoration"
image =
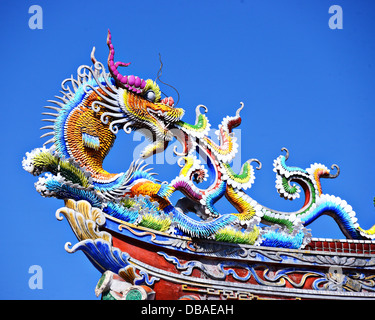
[{"x": 131, "y": 231}]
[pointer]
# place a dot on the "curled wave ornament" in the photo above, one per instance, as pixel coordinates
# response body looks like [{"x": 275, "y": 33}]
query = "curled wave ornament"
[
  {"x": 97, "y": 245},
  {"x": 84, "y": 220},
  {"x": 101, "y": 253}
]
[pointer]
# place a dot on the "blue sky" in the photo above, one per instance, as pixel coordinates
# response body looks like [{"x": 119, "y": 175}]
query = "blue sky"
[{"x": 305, "y": 87}]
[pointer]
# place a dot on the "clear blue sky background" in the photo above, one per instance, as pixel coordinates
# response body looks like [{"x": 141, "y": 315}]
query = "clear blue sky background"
[{"x": 305, "y": 87}]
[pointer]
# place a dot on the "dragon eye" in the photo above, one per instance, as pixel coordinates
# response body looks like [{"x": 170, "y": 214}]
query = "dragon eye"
[{"x": 150, "y": 95}]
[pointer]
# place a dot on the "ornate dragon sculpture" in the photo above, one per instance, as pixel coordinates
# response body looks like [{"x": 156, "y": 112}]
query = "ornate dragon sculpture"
[{"x": 95, "y": 105}]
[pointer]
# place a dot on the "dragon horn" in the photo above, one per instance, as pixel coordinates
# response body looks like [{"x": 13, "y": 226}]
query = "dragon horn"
[{"x": 131, "y": 83}]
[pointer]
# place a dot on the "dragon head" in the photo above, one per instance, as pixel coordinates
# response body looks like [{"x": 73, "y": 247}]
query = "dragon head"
[{"x": 141, "y": 102}]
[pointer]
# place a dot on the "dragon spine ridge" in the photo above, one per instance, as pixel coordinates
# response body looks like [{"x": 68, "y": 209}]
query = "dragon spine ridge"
[{"x": 95, "y": 105}]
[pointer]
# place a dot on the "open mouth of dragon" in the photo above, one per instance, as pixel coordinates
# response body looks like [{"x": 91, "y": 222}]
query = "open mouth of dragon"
[
  {"x": 160, "y": 133},
  {"x": 153, "y": 119},
  {"x": 164, "y": 122}
]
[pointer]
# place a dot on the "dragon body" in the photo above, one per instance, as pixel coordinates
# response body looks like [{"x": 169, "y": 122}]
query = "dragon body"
[{"x": 96, "y": 105}]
